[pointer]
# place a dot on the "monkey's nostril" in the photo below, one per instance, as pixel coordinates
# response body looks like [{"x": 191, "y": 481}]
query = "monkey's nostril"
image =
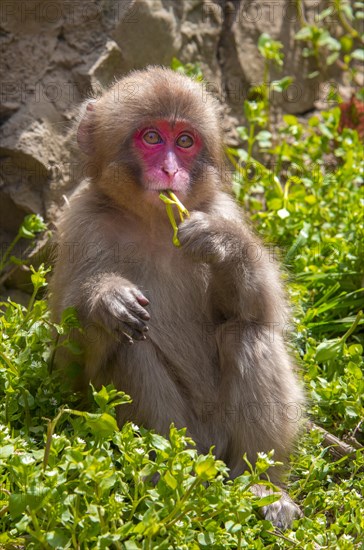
[{"x": 170, "y": 170}]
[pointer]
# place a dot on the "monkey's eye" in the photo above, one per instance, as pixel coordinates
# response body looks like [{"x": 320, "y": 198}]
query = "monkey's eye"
[
  {"x": 152, "y": 137},
  {"x": 185, "y": 141}
]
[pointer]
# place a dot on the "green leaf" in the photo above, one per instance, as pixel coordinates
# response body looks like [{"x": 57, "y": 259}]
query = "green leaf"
[
  {"x": 330, "y": 42},
  {"x": 69, "y": 317},
  {"x": 18, "y": 503},
  {"x": 103, "y": 425},
  {"x": 206, "y": 539},
  {"x": 6, "y": 451},
  {"x": 330, "y": 349},
  {"x": 346, "y": 42},
  {"x": 74, "y": 347},
  {"x": 101, "y": 397},
  {"x": 268, "y": 499},
  {"x": 264, "y": 138},
  {"x": 346, "y": 8},
  {"x": 281, "y": 85},
  {"x": 57, "y": 538},
  {"x": 313, "y": 74},
  {"x": 131, "y": 545},
  {"x": 263, "y": 40},
  {"x": 264, "y": 135},
  {"x": 32, "y": 224},
  {"x": 205, "y": 468},
  {"x": 325, "y": 13},
  {"x": 16, "y": 261},
  {"x": 274, "y": 204},
  {"x": 358, "y": 54},
  {"x": 242, "y": 132},
  {"x": 355, "y": 349},
  {"x": 291, "y": 120},
  {"x": 159, "y": 442},
  {"x": 305, "y": 33},
  {"x": 353, "y": 369},
  {"x": 38, "y": 280},
  {"x": 170, "y": 480},
  {"x": 332, "y": 58}
]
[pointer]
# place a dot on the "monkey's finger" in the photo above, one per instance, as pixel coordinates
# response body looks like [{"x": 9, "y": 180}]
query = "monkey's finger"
[
  {"x": 137, "y": 308},
  {"x": 128, "y": 338},
  {"x": 132, "y": 333},
  {"x": 125, "y": 309},
  {"x": 131, "y": 300},
  {"x": 127, "y": 316},
  {"x": 136, "y": 314},
  {"x": 143, "y": 301},
  {"x": 130, "y": 294}
]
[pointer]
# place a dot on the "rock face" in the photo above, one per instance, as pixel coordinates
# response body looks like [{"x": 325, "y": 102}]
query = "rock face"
[{"x": 56, "y": 53}]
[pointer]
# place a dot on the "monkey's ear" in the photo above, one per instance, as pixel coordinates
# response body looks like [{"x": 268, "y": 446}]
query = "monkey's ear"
[{"x": 85, "y": 129}]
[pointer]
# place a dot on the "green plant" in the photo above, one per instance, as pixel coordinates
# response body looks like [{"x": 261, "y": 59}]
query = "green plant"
[
  {"x": 190, "y": 69},
  {"x": 307, "y": 200},
  {"x": 31, "y": 225},
  {"x": 271, "y": 52},
  {"x": 71, "y": 479},
  {"x": 339, "y": 43}
]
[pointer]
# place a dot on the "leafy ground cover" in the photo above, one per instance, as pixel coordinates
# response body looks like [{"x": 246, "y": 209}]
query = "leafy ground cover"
[{"x": 69, "y": 478}]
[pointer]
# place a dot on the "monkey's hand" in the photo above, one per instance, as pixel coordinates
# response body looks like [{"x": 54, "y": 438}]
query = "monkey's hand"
[
  {"x": 119, "y": 307},
  {"x": 205, "y": 238}
]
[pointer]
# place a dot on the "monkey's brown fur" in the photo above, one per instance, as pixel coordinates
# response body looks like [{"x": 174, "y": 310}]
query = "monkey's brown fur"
[{"x": 214, "y": 359}]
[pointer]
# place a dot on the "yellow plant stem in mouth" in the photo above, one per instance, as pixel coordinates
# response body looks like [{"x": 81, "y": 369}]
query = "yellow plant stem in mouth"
[{"x": 170, "y": 201}]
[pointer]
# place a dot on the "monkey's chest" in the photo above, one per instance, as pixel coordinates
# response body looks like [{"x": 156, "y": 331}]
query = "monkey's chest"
[{"x": 181, "y": 334}]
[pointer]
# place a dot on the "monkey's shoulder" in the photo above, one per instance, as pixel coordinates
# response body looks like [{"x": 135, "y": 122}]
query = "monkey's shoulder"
[
  {"x": 88, "y": 214},
  {"x": 225, "y": 206}
]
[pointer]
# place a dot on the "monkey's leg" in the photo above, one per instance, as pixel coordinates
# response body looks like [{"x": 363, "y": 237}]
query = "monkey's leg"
[{"x": 258, "y": 384}]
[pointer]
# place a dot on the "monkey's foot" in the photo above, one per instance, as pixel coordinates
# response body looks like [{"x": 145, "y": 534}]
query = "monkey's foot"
[{"x": 282, "y": 512}]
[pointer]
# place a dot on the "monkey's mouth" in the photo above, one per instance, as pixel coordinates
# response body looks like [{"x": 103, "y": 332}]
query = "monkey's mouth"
[
  {"x": 166, "y": 191},
  {"x": 157, "y": 180},
  {"x": 176, "y": 195}
]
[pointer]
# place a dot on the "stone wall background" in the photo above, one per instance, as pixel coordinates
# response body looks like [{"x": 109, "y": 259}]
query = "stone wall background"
[{"x": 55, "y": 53}]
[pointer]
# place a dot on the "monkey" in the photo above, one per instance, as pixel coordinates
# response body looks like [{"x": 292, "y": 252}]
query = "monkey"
[{"x": 194, "y": 334}]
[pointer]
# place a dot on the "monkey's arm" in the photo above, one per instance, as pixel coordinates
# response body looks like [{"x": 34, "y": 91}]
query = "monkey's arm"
[
  {"x": 89, "y": 277},
  {"x": 244, "y": 280}
]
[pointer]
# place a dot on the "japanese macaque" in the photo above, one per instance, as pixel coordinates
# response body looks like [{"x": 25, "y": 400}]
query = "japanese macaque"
[{"x": 193, "y": 334}]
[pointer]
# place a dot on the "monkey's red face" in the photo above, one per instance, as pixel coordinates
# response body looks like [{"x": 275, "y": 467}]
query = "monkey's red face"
[{"x": 167, "y": 153}]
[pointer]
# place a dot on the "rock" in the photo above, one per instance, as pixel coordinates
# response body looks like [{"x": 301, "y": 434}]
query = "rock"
[
  {"x": 148, "y": 34},
  {"x": 109, "y": 65}
]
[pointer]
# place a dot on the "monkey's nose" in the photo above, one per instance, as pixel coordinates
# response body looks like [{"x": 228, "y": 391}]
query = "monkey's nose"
[
  {"x": 170, "y": 166},
  {"x": 170, "y": 171}
]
